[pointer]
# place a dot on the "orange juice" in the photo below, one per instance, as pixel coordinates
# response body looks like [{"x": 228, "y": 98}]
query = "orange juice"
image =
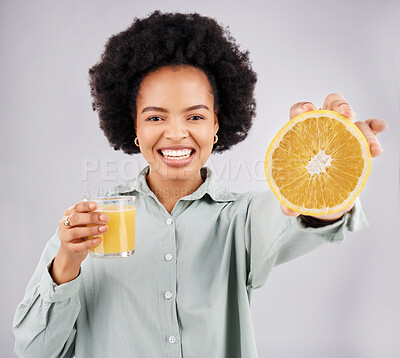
[{"x": 120, "y": 237}]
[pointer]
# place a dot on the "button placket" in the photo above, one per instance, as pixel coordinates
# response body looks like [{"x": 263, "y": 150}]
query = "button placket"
[
  {"x": 168, "y": 294},
  {"x": 168, "y": 257}
]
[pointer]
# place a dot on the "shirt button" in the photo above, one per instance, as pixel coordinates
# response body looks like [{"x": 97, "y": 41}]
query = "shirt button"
[
  {"x": 169, "y": 221},
  {"x": 168, "y": 295},
  {"x": 168, "y": 257},
  {"x": 172, "y": 339}
]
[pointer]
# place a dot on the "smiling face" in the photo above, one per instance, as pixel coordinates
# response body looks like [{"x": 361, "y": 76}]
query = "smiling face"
[{"x": 176, "y": 122}]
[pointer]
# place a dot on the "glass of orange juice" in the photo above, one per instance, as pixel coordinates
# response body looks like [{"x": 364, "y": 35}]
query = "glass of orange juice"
[{"x": 119, "y": 240}]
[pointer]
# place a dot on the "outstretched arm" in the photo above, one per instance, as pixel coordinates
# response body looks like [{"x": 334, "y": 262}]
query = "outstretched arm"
[{"x": 369, "y": 128}]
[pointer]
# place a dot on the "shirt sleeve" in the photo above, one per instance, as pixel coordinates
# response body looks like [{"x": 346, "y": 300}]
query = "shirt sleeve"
[
  {"x": 273, "y": 238},
  {"x": 44, "y": 322}
]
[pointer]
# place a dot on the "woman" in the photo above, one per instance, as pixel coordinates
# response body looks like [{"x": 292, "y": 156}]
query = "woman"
[{"x": 174, "y": 87}]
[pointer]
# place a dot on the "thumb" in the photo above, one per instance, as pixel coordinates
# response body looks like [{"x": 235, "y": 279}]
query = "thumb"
[{"x": 289, "y": 212}]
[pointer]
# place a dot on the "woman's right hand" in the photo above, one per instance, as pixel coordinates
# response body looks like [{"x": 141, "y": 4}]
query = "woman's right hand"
[{"x": 74, "y": 239}]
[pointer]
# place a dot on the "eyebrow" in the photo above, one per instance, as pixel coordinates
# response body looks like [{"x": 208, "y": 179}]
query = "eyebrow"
[{"x": 159, "y": 109}]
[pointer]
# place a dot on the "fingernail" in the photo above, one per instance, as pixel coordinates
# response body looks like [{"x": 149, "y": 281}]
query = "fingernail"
[
  {"x": 92, "y": 206},
  {"x": 103, "y": 228},
  {"x": 96, "y": 241},
  {"x": 104, "y": 217}
]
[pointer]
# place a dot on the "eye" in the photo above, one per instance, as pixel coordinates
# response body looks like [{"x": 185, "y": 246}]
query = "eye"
[
  {"x": 154, "y": 119},
  {"x": 196, "y": 118}
]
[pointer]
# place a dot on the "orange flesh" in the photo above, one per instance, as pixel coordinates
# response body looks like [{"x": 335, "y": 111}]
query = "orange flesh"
[{"x": 301, "y": 144}]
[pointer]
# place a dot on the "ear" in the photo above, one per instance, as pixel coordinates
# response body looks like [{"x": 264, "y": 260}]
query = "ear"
[
  {"x": 216, "y": 123},
  {"x": 134, "y": 124}
]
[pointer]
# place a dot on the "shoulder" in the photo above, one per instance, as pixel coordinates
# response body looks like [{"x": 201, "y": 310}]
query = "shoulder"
[
  {"x": 254, "y": 204},
  {"x": 256, "y": 198},
  {"x": 261, "y": 208},
  {"x": 126, "y": 188}
]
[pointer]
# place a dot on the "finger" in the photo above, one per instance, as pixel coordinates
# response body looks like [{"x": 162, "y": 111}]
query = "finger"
[
  {"x": 373, "y": 143},
  {"x": 84, "y": 245},
  {"x": 336, "y": 102},
  {"x": 77, "y": 233},
  {"x": 377, "y": 125},
  {"x": 81, "y": 207},
  {"x": 301, "y": 107},
  {"x": 79, "y": 219},
  {"x": 289, "y": 212}
]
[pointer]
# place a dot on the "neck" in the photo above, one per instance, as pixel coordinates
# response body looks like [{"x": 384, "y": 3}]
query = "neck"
[{"x": 169, "y": 191}]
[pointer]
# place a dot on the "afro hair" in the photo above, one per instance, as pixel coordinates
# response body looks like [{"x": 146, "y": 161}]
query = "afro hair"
[{"x": 165, "y": 39}]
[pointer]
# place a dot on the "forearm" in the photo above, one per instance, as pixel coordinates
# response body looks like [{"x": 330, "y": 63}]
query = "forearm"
[
  {"x": 63, "y": 270},
  {"x": 44, "y": 321},
  {"x": 311, "y": 221}
]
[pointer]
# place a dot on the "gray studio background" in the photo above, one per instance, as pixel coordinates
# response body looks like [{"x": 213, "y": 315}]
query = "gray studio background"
[{"x": 339, "y": 301}]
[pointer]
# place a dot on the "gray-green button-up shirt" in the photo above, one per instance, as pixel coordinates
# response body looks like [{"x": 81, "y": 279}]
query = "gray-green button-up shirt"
[{"x": 185, "y": 292}]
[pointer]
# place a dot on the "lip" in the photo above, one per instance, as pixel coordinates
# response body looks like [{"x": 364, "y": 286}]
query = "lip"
[{"x": 175, "y": 162}]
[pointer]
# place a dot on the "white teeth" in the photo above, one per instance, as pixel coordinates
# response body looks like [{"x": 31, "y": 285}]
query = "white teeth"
[
  {"x": 177, "y": 158},
  {"x": 177, "y": 154}
]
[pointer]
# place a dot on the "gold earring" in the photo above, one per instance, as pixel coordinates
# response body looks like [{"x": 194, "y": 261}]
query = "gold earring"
[
  {"x": 215, "y": 139},
  {"x": 136, "y": 141}
]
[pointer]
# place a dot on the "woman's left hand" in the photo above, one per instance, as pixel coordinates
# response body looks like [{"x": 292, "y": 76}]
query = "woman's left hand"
[{"x": 369, "y": 128}]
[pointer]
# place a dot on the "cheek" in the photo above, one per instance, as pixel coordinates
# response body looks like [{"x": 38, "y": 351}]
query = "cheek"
[
  {"x": 205, "y": 139},
  {"x": 147, "y": 135},
  {"x": 148, "y": 138},
  {"x": 204, "y": 134}
]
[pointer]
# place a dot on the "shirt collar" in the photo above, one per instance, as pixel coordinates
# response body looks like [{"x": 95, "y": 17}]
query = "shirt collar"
[{"x": 211, "y": 186}]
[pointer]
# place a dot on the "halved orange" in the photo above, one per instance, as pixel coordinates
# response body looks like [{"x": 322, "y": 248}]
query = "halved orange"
[{"x": 318, "y": 163}]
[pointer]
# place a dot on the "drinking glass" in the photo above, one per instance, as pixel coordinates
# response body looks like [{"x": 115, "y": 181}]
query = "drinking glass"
[{"x": 119, "y": 240}]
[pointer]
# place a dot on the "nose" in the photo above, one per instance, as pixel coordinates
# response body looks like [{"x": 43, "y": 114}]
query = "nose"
[{"x": 176, "y": 130}]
